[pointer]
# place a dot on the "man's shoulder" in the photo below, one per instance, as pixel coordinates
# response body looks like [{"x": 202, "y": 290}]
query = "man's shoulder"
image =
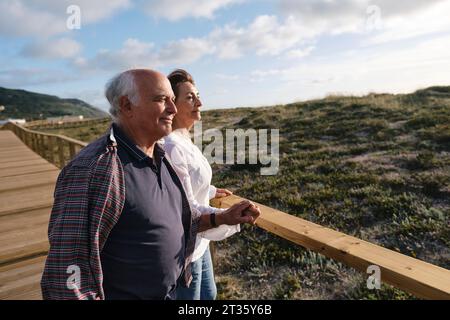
[{"x": 89, "y": 155}]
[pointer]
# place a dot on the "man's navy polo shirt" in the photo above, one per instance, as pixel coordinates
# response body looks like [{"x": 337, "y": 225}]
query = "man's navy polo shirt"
[{"x": 144, "y": 254}]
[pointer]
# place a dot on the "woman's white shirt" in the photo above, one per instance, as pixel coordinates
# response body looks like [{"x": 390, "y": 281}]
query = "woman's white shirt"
[{"x": 195, "y": 174}]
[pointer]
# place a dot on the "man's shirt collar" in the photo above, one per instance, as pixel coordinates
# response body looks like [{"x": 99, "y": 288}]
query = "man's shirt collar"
[{"x": 133, "y": 150}]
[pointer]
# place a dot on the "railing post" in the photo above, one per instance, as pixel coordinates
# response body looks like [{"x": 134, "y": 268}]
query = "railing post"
[
  {"x": 51, "y": 156},
  {"x": 42, "y": 146},
  {"x": 26, "y": 136},
  {"x": 61, "y": 153},
  {"x": 39, "y": 145},
  {"x": 33, "y": 141},
  {"x": 30, "y": 140},
  {"x": 72, "y": 150},
  {"x": 36, "y": 142}
]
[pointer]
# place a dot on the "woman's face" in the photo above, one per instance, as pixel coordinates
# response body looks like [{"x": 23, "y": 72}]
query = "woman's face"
[{"x": 188, "y": 103}]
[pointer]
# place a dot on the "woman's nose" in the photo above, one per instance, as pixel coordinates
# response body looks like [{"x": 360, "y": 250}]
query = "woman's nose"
[{"x": 199, "y": 102}]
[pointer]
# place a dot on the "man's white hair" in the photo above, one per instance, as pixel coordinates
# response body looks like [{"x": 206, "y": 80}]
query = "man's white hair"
[{"x": 123, "y": 84}]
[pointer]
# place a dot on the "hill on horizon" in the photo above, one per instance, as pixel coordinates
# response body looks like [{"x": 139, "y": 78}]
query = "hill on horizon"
[{"x": 28, "y": 105}]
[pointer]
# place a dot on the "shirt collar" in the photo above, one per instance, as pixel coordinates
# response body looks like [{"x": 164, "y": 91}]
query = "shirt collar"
[
  {"x": 182, "y": 132},
  {"x": 124, "y": 141}
]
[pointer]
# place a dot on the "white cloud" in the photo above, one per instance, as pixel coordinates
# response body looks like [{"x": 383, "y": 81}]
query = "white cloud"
[
  {"x": 184, "y": 51},
  {"x": 52, "y": 49},
  {"x": 229, "y": 41},
  {"x": 133, "y": 54},
  {"x": 95, "y": 97},
  {"x": 227, "y": 77},
  {"x": 327, "y": 16},
  {"x": 382, "y": 70},
  {"x": 299, "y": 53},
  {"x": 433, "y": 19},
  {"x": 16, "y": 19},
  {"x": 396, "y": 19},
  {"x": 264, "y": 36},
  {"x": 377, "y": 69},
  {"x": 42, "y": 18},
  {"x": 33, "y": 76},
  {"x": 175, "y": 9},
  {"x": 260, "y": 75}
]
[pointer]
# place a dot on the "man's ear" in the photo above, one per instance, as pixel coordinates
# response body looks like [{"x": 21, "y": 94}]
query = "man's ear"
[{"x": 125, "y": 105}]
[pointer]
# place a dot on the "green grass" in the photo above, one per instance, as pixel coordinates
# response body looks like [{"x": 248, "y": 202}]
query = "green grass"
[{"x": 376, "y": 167}]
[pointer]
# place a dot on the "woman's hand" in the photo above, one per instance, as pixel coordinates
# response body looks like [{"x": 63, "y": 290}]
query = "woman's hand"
[{"x": 220, "y": 193}]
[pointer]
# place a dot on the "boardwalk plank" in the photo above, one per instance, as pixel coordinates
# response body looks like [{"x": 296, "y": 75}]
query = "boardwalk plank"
[
  {"x": 22, "y": 163},
  {"x": 24, "y": 235},
  {"x": 13, "y": 201},
  {"x": 24, "y": 219},
  {"x": 19, "y": 157},
  {"x": 28, "y": 180},
  {"x": 9, "y": 172},
  {"x": 21, "y": 280}
]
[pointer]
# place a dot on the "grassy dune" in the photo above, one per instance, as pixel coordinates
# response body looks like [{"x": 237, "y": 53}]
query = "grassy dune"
[{"x": 375, "y": 167}]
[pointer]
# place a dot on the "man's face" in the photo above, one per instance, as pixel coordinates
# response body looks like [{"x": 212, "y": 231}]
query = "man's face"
[{"x": 155, "y": 108}]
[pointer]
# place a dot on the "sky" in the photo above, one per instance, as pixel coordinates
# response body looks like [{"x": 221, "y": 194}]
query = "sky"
[{"x": 240, "y": 52}]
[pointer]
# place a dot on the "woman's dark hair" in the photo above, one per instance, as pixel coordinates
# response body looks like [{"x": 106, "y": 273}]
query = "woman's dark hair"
[{"x": 179, "y": 76}]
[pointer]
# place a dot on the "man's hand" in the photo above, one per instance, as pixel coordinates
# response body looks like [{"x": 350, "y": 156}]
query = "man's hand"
[
  {"x": 242, "y": 212},
  {"x": 220, "y": 193}
]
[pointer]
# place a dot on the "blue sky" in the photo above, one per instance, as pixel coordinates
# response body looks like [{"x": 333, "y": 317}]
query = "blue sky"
[{"x": 240, "y": 52}]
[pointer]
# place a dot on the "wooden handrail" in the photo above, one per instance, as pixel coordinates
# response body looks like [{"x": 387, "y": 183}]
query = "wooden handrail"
[
  {"x": 57, "y": 149},
  {"x": 417, "y": 277},
  {"x": 44, "y": 124}
]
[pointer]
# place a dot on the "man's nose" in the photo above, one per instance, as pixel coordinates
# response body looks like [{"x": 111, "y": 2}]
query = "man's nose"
[{"x": 171, "y": 107}]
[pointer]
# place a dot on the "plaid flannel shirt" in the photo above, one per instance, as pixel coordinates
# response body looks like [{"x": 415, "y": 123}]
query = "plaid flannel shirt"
[{"x": 88, "y": 201}]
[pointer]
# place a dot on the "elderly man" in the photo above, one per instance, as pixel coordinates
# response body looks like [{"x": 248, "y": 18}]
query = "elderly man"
[{"x": 121, "y": 226}]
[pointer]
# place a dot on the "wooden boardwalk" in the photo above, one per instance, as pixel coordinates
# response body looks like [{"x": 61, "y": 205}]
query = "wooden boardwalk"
[{"x": 27, "y": 182}]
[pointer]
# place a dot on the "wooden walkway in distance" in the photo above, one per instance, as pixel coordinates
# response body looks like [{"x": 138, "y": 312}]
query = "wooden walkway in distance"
[{"x": 27, "y": 182}]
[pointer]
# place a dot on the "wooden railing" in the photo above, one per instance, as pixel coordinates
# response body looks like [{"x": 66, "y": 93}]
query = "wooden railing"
[
  {"x": 417, "y": 277},
  {"x": 45, "y": 124},
  {"x": 57, "y": 149}
]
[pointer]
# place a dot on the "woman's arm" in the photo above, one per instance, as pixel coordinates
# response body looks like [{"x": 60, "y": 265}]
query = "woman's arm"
[{"x": 180, "y": 165}]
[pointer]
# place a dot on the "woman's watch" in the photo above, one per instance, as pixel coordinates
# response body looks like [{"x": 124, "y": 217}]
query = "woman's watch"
[{"x": 212, "y": 219}]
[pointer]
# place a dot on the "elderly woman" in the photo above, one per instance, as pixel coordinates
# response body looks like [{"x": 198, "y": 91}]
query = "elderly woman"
[{"x": 195, "y": 174}]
